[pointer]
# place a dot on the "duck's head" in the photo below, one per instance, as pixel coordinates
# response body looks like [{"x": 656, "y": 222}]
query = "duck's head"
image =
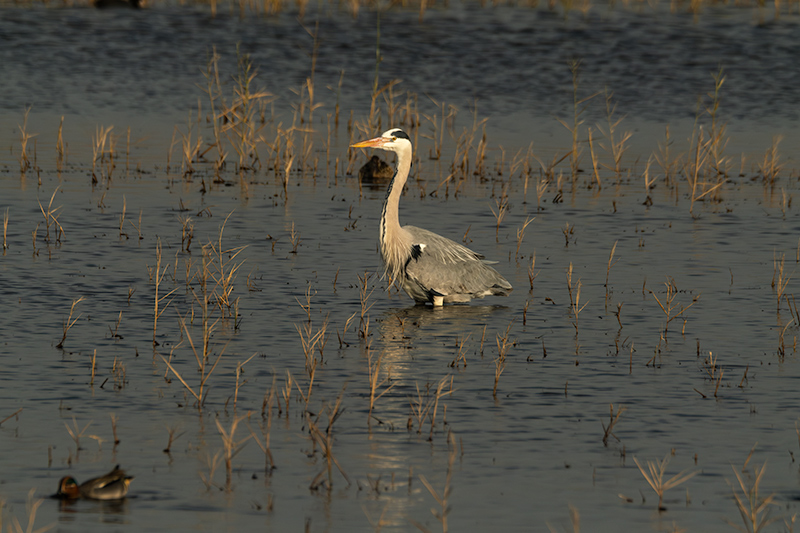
[{"x": 68, "y": 489}]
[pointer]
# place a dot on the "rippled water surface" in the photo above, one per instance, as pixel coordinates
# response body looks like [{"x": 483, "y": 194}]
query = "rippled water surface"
[{"x": 682, "y": 327}]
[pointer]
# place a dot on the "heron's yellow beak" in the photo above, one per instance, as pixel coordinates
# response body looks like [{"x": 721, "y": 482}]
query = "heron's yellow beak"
[{"x": 377, "y": 142}]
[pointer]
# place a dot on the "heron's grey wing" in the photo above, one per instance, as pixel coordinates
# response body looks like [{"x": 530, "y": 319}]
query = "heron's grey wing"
[
  {"x": 441, "y": 248},
  {"x": 445, "y": 267},
  {"x": 465, "y": 277}
]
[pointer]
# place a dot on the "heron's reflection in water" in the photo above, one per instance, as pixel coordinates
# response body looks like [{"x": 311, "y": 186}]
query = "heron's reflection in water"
[
  {"x": 416, "y": 345},
  {"x": 421, "y": 331}
]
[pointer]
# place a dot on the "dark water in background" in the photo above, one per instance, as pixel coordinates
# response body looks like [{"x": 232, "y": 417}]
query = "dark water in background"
[
  {"x": 513, "y": 60},
  {"x": 522, "y": 457}
]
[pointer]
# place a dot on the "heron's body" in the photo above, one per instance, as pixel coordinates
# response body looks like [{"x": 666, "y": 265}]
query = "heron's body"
[{"x": 429, "y": 267}]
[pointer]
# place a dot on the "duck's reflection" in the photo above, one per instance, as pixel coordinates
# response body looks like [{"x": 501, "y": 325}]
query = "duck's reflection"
[{"x": 112, "y": 511}]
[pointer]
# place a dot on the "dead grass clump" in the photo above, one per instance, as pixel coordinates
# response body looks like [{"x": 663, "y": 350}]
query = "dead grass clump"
[{"x": 654, "y": 475}]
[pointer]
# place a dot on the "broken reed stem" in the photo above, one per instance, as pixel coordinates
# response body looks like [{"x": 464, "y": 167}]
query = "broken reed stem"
[
  {"x": 612, "y": 421},
  {"x": 69, "y": 322}
]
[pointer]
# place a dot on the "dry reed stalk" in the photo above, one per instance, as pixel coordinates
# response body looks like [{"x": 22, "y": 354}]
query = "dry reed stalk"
[
  {"x": 231, "y": 447},
  {"x": 115, "y": 332},
  {"x": 94, "y": 367},
  {"x": 307, "y": 306},
  {"x": 771, "y": 166},
  {"x": 694, "y": 166},
  {"x": 443, "y": 498},
  {"x": 240, "y": 122},
  {"x": 213, "y": 88},
  {"x": 76, "y": 433},
  {"x": 753, "y": 508},
  {"x": 69, "y": 322},
  {"x": 173, "y": 435},
  {"x": 266, "y": 428},
  {"x": 99, "y": 141},
  {"x": 779, "y": 280},
  {"x": 51, "y": 219},
  {"x": 612, "y": 421},
  {"x": 212, "y": 464},
  {"x": 541, "y": 188},
  {"x": 344, "y": 330},
  {"x": 31, "y": 507},
  {"x": 594, "y": 161},
  {"x": 575, "y": 520},
  {"x": 616, "y": 146},
  {"x": 364, "y": 293},
  {"x": 114, "y": 421},
  {"x": 502, "y": 208},
  {"x": 187, "y": 233},
  {"x": 574, "y": 297},
  {"x": 374, "y": 385},
  {"x": 461, "y": 357},
  {"x": 24, "y": 138},
  {"x": 532, "y": 270},
  {"x": 521, "y": 234},
  {"x": 219, "y": 267},
  {"x": 190, "y": 147},
  {"x": 578, "y": 108},
  {"x": 669, "y": 305},
  {"x": 503, "y": 344},
  {"x": 648, "y": 181},
  {"x": 239, "y": 372},
  {"x": 294, "y": 236},
  {"x": 311, "y": 340},
  {"x": 203, "y": 361},
  {"x": 60, "y": 146},
  {"x": 5, "y": 230},
  {"x": 664, "y": 157},
  {"x": 158, "y": 309},
  {"x": 122, "y": 218},
  {"x": 325, "y": 441},
  {"x": 610, "y": 264},
  {"x": 422, "y": 406},
  {"x": 33, "y": 237},
  {"x": 719, "y": 141},
  {"x": 656, "y": 480},
  {"x": 286, "y": 392},
  {"x": 18, "y": 411}
]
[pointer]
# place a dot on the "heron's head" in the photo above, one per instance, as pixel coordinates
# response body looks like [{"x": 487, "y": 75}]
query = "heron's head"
[{"x": 393, "y": 140}]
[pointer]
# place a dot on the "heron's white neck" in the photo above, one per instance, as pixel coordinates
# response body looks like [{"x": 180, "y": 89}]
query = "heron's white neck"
[{"x": 393, "y": 246}]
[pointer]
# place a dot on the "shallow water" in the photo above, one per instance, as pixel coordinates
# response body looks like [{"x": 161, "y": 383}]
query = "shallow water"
[{"x": 521, "y": 458}]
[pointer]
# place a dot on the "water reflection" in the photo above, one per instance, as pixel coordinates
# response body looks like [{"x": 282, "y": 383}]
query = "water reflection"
[
  {"x": 421, "y": 330},
  {"x": 112, "y": 511}
]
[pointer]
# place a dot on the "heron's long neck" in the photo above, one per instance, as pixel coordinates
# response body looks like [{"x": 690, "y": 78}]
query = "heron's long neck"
[{"x": 391, "y": 234}]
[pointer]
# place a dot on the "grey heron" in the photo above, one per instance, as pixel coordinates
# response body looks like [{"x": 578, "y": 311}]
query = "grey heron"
[{"x": 429, "y": 267}]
